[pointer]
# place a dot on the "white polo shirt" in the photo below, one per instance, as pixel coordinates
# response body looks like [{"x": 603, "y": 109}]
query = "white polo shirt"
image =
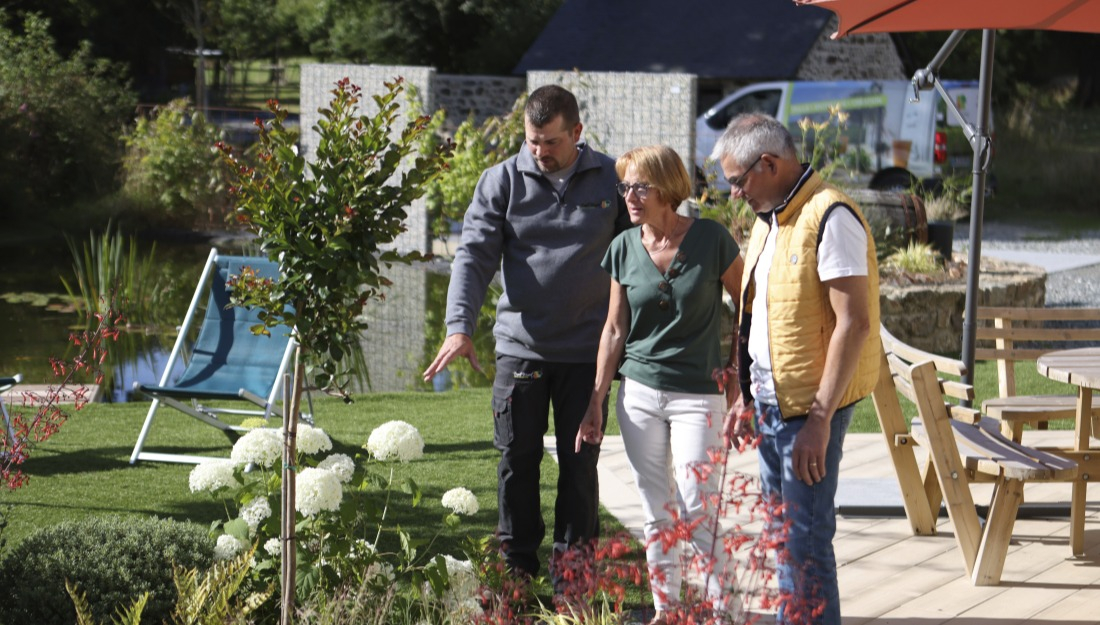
[{"x": 842, "y": 253}]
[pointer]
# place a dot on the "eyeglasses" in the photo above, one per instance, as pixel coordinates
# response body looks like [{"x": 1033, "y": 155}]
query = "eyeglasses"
[
  {"x": 640, "y": 189},
  {"x": 739, "y": 182}
]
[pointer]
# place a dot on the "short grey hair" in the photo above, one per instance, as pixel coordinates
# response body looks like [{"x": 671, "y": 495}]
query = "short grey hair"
[{"x": 749, "y": 135}]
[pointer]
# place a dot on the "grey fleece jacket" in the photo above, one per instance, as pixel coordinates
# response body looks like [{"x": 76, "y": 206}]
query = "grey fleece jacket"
[{"x": 548, "y": 248}]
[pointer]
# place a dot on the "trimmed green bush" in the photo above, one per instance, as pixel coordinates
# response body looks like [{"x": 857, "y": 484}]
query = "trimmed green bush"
[{"x": 113, "y": 560}]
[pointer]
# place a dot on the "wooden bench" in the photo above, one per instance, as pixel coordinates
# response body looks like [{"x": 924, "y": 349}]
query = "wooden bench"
[
  {"x": 963, "y": 447},
  {"x": 1011, "y": 335}
]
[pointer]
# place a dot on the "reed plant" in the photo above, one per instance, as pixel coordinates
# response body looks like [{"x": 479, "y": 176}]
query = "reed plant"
[{"x": 111, "y": 273}]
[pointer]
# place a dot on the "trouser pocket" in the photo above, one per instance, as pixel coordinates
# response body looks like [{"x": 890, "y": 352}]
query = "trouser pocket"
[{"x": 503, "y": 432}]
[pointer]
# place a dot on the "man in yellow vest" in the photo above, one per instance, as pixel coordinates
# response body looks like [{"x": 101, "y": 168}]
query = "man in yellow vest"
[{"x": 808, "y": 345}]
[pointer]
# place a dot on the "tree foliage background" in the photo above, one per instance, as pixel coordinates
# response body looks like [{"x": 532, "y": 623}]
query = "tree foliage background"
[
  {"x": 457, "y": 36},
  {"x": 60, "y": 119},
  {"x": 1024, "y": 60}
]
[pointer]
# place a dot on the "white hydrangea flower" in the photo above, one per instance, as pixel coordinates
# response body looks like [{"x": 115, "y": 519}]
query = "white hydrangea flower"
[
  {"x": 461, "y": 501},
  {"x": 463, "y": 579},
  {"x": 340, "y": 464},
  {"x": 317, "y": 490},
  {"x": 274, "y": 547},
  {"x": 255, "y": 511},
  {"x": 227, "y": 547},
  {"x": 212, "y": 475},
  {"x": 262, "y": 446},
  {"x": 395, "y": 440},
  {"x": 312, "y": 440},
  {"x": 461, "y": 598}
]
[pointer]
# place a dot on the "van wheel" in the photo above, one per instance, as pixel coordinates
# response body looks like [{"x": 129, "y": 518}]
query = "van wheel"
[{"x": 892, "y": 179}]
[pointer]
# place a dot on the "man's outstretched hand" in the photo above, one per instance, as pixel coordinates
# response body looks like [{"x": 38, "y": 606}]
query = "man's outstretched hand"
[{"x": 455, "y": 345}]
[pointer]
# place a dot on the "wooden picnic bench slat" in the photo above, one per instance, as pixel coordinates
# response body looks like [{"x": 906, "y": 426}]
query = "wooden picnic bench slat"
[
  {"x": 985, "y": 449},
  {"x": 1038, "y": 314}
]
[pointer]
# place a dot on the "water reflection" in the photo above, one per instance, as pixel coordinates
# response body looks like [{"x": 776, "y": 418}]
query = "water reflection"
[{"x": 405, "y": 329}]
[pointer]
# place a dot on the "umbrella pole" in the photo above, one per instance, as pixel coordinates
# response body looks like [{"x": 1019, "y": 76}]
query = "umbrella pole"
[{"x": 982, "y": 145}]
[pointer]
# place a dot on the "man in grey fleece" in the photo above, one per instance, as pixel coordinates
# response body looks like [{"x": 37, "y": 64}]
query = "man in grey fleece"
[{"x": 544, "y": 217}]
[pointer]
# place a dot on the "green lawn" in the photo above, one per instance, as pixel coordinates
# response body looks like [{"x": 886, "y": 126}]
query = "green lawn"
[
  {"x": 84, "y": 469},
  {"x": 1044, "y": 160}
]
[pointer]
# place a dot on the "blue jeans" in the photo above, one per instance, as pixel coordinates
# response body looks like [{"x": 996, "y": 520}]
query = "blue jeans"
[{"x": 806, "y": 561}]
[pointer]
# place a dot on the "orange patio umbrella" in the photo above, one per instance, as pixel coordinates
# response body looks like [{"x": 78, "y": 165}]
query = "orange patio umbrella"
[
  {"x": 960, "y": 16},
  {"x": 888, "y": 16}
]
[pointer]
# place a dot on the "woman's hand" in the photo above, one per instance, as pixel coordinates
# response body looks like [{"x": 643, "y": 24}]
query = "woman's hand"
[
  {"x": 591, "y": 429},
  {"x": 737, "y": 426}
]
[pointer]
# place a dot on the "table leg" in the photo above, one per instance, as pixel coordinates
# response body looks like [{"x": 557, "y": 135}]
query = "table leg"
[{"x": 1080, "y": 443}]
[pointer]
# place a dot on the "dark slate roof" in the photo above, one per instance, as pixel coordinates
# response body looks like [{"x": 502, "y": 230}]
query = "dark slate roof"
[{"x": 740, "y": 39}]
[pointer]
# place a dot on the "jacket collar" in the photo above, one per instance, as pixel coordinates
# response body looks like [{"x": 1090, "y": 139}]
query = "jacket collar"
[
  {"x": 807, "y": 185},
  {"x": 586, "y": 159}
]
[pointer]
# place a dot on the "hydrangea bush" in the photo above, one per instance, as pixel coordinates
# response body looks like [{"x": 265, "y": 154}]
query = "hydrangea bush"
[{"x": 341, "y": 505}]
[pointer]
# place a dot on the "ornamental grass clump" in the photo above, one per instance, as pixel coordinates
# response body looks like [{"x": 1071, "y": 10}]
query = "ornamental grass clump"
[{"x": 915, "y": 258}]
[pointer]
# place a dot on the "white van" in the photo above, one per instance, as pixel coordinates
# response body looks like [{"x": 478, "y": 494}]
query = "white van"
[{"x": 891, "y": 142}]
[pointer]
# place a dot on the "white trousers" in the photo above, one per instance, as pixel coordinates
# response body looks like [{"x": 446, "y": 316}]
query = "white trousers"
[{"x": 667, "y": 436}]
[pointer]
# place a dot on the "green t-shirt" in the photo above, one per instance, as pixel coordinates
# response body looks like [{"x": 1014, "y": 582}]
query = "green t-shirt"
[{"x": 673, "y": 341}]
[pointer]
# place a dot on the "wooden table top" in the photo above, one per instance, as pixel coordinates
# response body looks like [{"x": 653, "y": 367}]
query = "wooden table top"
[{"x": 1080, "y": 367}]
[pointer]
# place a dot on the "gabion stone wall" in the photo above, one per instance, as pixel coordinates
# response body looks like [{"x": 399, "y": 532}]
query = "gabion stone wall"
[
  {"x": 855, "y": 57},
  {"x": 480, "y": 96},
  {"x": 317, "y": 84},
  {"x": 395, "y": 340},
  {"x": 624, "y": 110}
]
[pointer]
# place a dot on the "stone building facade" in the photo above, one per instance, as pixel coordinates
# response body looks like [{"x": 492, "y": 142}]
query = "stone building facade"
[{"x": 855, "y": 57}]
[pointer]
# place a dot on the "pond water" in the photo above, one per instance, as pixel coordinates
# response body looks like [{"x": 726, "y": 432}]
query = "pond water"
[{"x": 405, "y": 329}]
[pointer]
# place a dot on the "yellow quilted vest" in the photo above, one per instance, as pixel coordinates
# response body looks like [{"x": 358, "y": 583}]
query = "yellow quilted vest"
[{"x": 801, "y": 319}]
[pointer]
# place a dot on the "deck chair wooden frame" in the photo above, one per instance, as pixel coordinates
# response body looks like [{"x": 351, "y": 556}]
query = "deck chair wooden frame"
[
  {"x": 1005, "y": 336},
  {"x": 226, "y": 362}
]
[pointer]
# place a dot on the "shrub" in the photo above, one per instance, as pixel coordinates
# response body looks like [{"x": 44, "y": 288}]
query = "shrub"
[
  {"x": 171, "y": 170},
  {"x": 113, "y": 560},
  {"x": 475, "y": 149},
  {"x": 331, "y": 223}
]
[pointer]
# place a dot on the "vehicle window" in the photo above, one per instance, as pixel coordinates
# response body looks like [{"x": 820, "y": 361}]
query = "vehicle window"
[{"x": 764, "y": 101}]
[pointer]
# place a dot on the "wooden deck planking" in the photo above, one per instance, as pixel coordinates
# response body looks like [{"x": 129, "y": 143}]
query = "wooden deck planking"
[
  {"x": 887, "y": 575},
  {"x": 1023, "y": 587}
]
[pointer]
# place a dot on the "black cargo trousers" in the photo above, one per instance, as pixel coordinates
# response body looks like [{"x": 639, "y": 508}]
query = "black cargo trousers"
[{"x": 524, "y": 391}]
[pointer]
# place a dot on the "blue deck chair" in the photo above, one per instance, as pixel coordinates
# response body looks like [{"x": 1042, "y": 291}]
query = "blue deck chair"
[
  {"x": 6, "y": 384},
  {"x": 227, "y": 361}
]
